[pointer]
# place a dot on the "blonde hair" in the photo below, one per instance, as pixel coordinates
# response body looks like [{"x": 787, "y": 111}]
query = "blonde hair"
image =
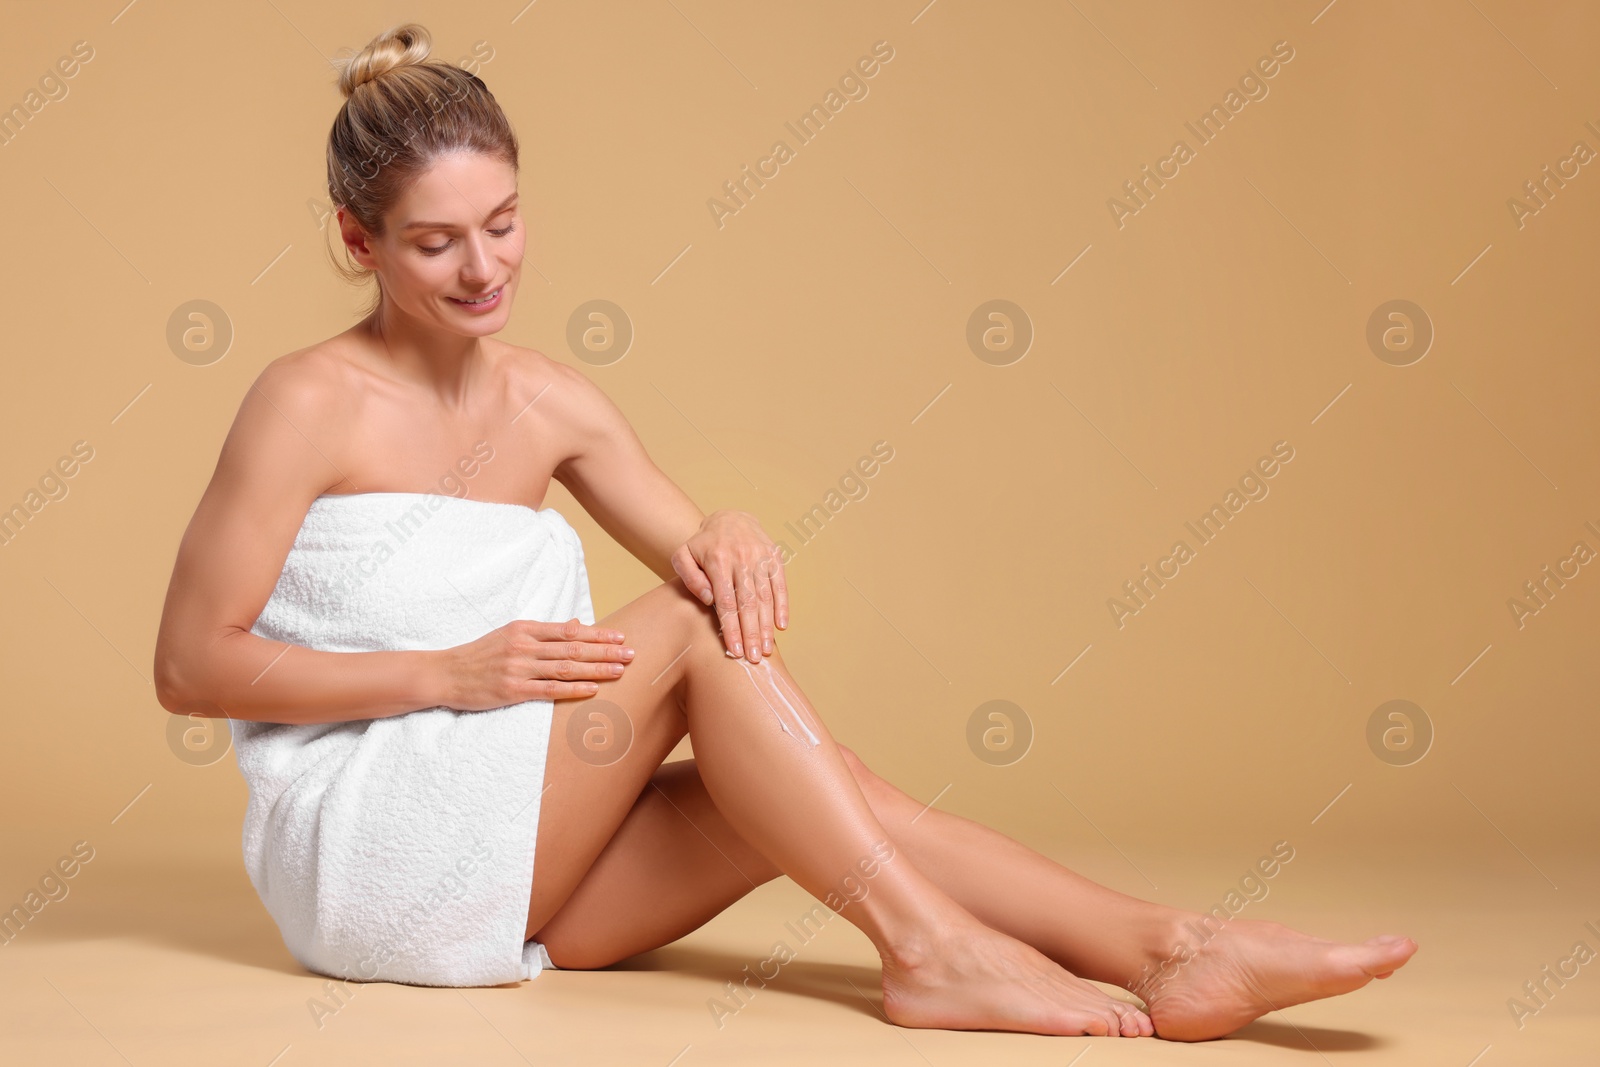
[{"x": 402, "y": 111}]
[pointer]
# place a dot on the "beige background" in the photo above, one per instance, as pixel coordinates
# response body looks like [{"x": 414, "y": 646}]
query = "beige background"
[{"x": 1231, "y": 312}]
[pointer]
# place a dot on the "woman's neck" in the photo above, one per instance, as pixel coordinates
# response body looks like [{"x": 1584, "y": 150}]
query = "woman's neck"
[{"x": 445, "y": 364}]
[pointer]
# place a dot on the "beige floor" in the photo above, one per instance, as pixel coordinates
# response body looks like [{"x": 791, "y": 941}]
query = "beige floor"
[{"x": 175, "y": 962}]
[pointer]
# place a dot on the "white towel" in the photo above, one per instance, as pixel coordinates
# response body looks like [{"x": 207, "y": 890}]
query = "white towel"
[{"x": 401, "y": 849}]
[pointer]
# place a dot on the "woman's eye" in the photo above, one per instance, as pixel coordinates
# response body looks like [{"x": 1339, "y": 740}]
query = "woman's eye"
[{"x": 436, "y": 249}]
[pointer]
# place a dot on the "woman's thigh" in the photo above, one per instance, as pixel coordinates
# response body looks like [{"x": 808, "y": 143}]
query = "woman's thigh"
[
  {"x": 673, "y": 864},
  {"x": 604, "y": 749}
]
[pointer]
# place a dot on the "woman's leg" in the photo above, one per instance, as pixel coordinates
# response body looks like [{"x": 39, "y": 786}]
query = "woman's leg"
[
  {"x": 1199, "y": 977},
  {"x": 672, "y": 866},
  {"x": 780, "y": 781},
  {"x": 677, "y": 859}
]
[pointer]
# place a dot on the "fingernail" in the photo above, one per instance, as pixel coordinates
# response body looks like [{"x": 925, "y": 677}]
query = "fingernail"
[
  {"x": 627, "y": 653},
  {"x": 737, "y": 649}
]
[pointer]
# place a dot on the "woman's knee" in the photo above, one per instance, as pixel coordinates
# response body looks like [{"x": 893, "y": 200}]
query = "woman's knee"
[
  {"x": 695, "y": 619},
  {"x": 872, "y": 786},
  {"x": 853, "y": 761},
  {"x": 699, "y": 628},
  {"x": 662, "y": 624},
  {"x": 889, "y": 802}
]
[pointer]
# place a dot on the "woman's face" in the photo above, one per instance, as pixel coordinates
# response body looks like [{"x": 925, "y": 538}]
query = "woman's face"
[{"x": 454, "y": 235}]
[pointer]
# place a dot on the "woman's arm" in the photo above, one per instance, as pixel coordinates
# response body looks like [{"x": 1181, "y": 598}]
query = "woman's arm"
[
  {"x": 608, "y": 471},
  {"x": 206, "y": 660},
  {"x": 726, "y": 558}
]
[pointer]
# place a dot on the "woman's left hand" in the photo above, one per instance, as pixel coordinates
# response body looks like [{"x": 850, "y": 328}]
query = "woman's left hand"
[{"x": 731, "y": 563}]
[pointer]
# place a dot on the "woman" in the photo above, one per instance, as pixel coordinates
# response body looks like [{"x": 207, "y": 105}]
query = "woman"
[{"x": 633, "y": 853}]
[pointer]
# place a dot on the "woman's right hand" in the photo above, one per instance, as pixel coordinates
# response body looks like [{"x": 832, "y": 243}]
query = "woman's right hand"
[{"x": 530, "y": 660}]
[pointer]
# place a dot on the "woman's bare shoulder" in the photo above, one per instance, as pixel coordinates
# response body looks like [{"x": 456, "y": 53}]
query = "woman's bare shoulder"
[
  {"x": 313, "y": 377},
  {"x": 563, "y": 393},
  {"x": 293, "y": 422},
  {"x": 529, "y": 366}
]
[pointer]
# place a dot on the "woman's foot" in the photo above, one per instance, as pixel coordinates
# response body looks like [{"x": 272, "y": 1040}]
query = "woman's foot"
[
  {"x": 1248, "y": 968},
  {"x": 975, "y": 978}
]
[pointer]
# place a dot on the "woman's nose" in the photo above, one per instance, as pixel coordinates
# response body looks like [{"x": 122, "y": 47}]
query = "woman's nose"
[{"x": 479, "y": 267}]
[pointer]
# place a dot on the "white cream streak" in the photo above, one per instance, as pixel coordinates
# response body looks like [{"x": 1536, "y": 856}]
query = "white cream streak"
[{"x": 775, "y": 689}]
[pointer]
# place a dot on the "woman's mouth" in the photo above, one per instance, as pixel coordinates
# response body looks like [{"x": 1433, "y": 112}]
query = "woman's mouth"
[{"x": 483, "y": 303}]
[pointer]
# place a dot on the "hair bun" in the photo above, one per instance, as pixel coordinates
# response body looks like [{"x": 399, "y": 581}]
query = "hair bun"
[{"x": 401, "y": 46}]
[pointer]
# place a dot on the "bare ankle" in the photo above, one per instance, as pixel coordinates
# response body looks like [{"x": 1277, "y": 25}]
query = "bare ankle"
[
  {"x": 910, "y": 952},
  {"x": 919, "y": 945},
  {"x": 1171, "y": 940}
]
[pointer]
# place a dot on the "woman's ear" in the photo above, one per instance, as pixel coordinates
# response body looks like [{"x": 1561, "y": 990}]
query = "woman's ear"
[{"x": 355, "y": 239}]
